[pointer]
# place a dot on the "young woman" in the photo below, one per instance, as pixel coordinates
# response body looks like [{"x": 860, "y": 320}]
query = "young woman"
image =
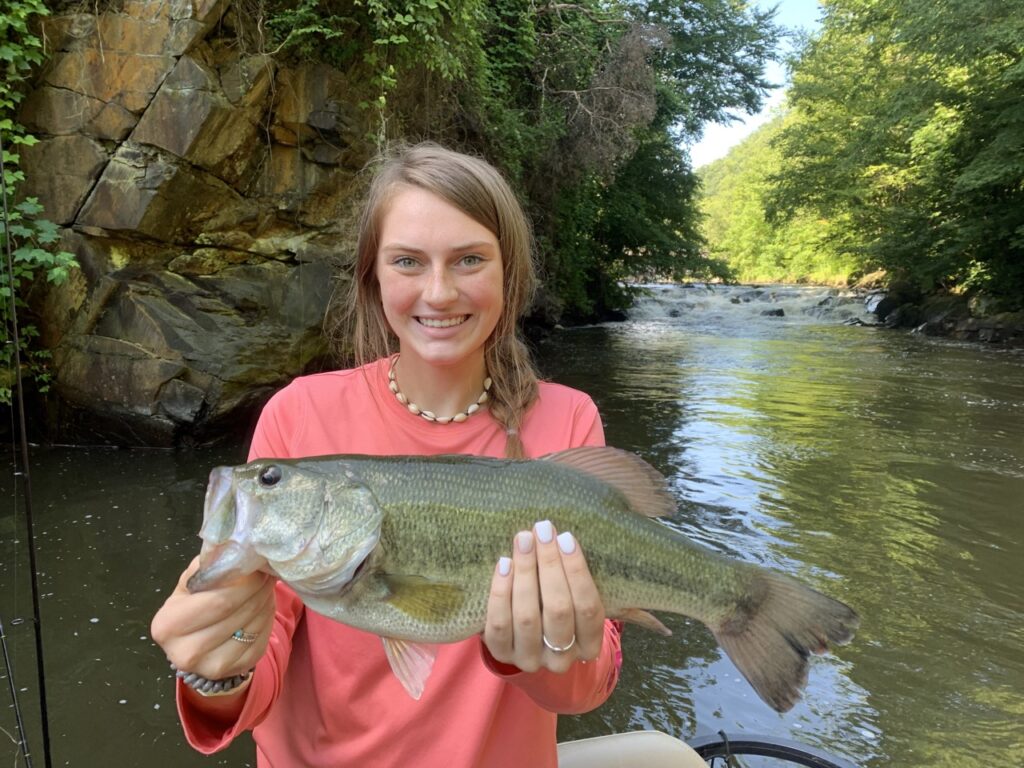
[{"x": 442, "y": 274}]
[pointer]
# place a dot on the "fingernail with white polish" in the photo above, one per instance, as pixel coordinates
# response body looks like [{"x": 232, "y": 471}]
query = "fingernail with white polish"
[
  {"x": 544, "y": 531},
  {"x": 504, "y": 566},
  {"x": 566, "y": 543},
  {"x": 524, "y": 542}
]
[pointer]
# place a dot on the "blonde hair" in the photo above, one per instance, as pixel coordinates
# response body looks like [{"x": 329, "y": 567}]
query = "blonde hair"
[{"x": 477, "y": 189}]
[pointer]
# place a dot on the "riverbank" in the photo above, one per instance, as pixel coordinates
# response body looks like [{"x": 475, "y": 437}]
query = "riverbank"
[{"x": 977, "y": 318}]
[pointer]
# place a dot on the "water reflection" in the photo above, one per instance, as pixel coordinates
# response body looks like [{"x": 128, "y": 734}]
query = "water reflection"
[
  {"x": 886, "y": 469},
  {"x": 113, "y": 529}
]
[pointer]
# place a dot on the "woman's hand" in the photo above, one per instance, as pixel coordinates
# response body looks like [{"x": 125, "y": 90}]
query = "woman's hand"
[
  {"x": 195, "y": 630},
  {"x": 544, "y": 610}
]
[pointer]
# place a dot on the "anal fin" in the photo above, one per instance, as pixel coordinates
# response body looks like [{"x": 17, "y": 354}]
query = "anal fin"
[
  {"x": 644, "y": 619},
  {"x": 411, "y": 663}
]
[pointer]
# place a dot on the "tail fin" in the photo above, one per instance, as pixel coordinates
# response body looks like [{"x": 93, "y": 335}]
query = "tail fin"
[{"x": 773, "y": 630}]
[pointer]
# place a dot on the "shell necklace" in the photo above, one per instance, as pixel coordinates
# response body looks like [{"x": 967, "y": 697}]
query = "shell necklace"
[{"x": 429, "y": 415}]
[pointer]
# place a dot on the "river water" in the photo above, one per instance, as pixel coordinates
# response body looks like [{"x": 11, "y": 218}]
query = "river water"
[{"x": 885, "y": 468}]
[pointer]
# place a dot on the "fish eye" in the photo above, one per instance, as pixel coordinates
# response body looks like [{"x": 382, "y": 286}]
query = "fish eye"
[{"x": 270, "y": 476}]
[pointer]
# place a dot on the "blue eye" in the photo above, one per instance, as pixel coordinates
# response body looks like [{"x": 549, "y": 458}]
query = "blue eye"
[{"x": 472, "y": 259}]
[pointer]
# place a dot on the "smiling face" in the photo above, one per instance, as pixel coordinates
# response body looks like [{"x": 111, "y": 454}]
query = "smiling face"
[{"x": 440, "y": 278}]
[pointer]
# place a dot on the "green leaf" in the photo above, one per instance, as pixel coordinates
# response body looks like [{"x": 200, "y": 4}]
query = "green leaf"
[
  {"x": 47, "y": 228},
  {"x": 19, "y": 230},
  {"x": 29, "y": 206},
  {"x": 57, "y": 275}
]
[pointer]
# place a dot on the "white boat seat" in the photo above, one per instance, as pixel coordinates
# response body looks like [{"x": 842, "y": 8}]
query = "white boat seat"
[{"x": 635, "y": 749}]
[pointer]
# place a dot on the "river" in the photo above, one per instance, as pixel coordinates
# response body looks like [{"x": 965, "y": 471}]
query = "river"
[{"x": 885, "y": 468}]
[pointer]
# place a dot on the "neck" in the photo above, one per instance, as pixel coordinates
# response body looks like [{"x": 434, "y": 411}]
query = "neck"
[{"x": 443, "y": 390}]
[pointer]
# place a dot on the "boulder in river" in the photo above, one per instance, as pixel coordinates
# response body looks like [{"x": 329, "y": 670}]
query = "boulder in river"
[{"x": 903, "y": 316}]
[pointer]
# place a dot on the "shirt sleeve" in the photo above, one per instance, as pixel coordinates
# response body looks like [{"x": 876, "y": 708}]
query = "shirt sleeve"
[
  {"x": 206, "y": 734},
  {"x": 586, "y": 686},
  {"x": 587, "y": 426}
]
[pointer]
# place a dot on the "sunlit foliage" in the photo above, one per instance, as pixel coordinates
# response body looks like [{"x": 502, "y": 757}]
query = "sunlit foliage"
[{"x": 908, "y": 128}]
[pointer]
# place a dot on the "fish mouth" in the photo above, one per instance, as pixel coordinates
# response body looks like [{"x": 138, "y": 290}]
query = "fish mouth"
[
  {"x": 228, "y": 551},
  {"x": 222, "y": 563}
]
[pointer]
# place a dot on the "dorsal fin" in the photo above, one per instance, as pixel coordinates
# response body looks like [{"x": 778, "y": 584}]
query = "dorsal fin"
[{"x": 643, "y": 486}]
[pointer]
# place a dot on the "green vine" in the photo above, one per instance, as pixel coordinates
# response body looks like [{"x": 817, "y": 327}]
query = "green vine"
[{"x": 33, "y": 240}]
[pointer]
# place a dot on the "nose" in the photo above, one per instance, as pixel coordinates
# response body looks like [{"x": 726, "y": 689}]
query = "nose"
[{"x": 440, "y": 289}]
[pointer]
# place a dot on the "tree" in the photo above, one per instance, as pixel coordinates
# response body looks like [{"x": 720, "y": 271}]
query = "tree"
[{"x": 909, "y": 125}]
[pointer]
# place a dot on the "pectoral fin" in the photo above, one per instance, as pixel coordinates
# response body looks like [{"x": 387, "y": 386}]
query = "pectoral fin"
[
  {"x": 411, "y": 663},
  {"x": 428, "y": 601}
]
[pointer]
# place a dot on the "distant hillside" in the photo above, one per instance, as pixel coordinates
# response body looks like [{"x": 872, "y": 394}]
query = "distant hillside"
[{"x": 736, "y": 200}]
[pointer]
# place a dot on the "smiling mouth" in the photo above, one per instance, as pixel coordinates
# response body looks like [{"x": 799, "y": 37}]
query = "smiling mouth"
[{"x": 448, "y": 322}]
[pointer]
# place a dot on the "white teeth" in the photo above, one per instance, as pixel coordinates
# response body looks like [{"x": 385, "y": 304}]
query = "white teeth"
[{"x": 448, "y": 323}]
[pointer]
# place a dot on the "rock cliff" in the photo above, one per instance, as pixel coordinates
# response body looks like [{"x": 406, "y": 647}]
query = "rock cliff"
[{"x": 206, "y": 192}]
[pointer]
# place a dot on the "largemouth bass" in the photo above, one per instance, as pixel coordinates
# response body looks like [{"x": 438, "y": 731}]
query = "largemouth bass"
[{"x": 405, "y": 547}]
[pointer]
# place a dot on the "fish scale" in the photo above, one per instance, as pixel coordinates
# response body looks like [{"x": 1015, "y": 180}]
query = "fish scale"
[
  {"x": 406, "y": 547},
  {"x": 630, "y": 557}
]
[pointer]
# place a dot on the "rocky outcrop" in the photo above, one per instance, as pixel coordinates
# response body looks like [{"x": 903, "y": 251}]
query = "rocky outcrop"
[
  {"x": 206, "y": 193},
  {"x": 977, "y": 319}
]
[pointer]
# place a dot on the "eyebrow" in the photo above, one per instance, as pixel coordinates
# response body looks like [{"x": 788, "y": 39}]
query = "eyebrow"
[{"x": 410, "y": 249}]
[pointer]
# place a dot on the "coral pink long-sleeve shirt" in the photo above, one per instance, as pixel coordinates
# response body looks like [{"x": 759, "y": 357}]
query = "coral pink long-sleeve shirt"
[{"x": 324, "y": 694}]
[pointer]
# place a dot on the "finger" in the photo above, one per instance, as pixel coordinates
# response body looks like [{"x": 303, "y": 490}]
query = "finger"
[
  {"x": 253, "y": 620},
  {"x": 188, "y": 573},
  {"x": 257, "y": 622},
  {"x": 559, "y": 623},
  {"x": 195, "y": 612},
  {"x": 588, "y": 608},
  {"x": 192, "y": 628},
  {"x": 498, "y": 635},
  {"x": 215, "y": 653},
  {"x": 526, "y": 617},
  {"x": 183, "y": 613}
]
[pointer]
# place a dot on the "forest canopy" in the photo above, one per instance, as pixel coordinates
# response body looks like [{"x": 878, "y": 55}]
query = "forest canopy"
[{"x": 901, "y": 149}]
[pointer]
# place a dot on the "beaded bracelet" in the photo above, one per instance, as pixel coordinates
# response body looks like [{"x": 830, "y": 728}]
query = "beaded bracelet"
[{"x": 206, "y": 687}]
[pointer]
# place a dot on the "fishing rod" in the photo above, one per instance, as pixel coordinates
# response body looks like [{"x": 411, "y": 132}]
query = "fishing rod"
[
  {"x": 33, "y": 578},
  {"x": 23, "y": 740}
]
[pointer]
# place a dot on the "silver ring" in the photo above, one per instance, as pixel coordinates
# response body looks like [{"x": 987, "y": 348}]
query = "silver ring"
[
  {"x": 558, "y": 648},
  {"x": 241, "y": 636}
]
